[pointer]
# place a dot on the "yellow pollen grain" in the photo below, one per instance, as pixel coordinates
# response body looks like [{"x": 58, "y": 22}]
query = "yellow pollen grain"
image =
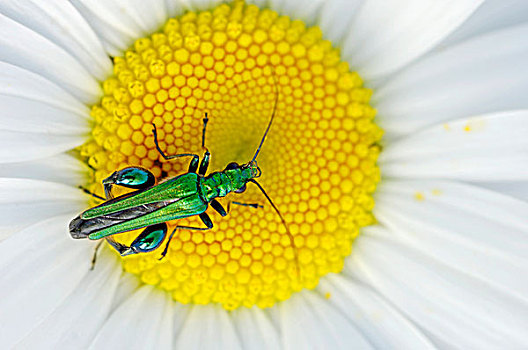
[
  {"x": 318, "y": 161},
  {"x": 419, "y": 196},
  {"x": 436, "y": 192}
]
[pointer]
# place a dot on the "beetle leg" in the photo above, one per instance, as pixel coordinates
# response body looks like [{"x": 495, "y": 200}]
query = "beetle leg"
[
  {"x": 94, "y": 257},
  {"x": 90, "y": 193},
  {"x": 205, "y": 120},
  {"x": 205, "y": 219},
  {"x": 120, "y": 248},
  {"x": 194, "y": 162},
  {"x": 205, "y": 163},
  {"x": 252, "y": 205},
  {"x": 218, "y": 207},
  {"x": 130, "y": 177}
]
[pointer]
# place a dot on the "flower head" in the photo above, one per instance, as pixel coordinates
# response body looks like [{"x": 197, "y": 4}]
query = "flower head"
[{"x": 318, "y": 254}]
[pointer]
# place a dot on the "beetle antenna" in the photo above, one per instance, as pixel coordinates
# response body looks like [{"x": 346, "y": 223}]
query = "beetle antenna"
[
  {"x": 290, "y": 236},
  {"x": 271, "y": 119}
]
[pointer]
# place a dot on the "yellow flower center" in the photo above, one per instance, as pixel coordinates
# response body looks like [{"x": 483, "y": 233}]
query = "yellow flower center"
[{"x": 318, "y": 162}]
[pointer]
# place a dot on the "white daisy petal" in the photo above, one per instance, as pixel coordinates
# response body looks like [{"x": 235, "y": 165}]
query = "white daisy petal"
[
  {"x": 180, "y": 317},
  {"x": 381, "y": 323},
  {"x": 25, "y": 48},
  {"x": 336, "y": 17},
  {"x": 24, "y": 146},
  {"x": 21, "y": 114},
  {"x": 149, "y": 16},
  {"x": 118, "y": 23},
  {"x": 467, "y": 79},
  {"x": 63, "y": 25},
  {"x": 307, "y": 321},
  {"x": 409, "y": 30},
  {"x": 259, "y": 3},
  {"x": 25, "y": 202},
  {"x": 75, "y": 322},
  {"x": 21, "y": 83},
  {"x": 462, "y": 311},
  {"x": 143, "y": 321},
  {"x": 486, "y": 148},
  {"x": 193, "y": 5},
  {"x": 39, "y": 268},
  {"x": 61, "y": 168},
  {"x": 515, "y": 189},
  {"x": 255, "y": 329},
  {"x": 473, "y": 230},
  {"x": 115, "y": 32},
  {"x": 207, "y": 327},
  {"x": 306, "y": 11},
  {"x": 128, "y": 285},
  {"x": 490, "y": 16},
  {"x": 174, "y": 8}
]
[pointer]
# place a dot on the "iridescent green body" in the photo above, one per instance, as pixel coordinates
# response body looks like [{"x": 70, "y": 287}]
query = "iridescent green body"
[
  {"x": 219, "y": 184},
  {"x": 177, "y": 198}
]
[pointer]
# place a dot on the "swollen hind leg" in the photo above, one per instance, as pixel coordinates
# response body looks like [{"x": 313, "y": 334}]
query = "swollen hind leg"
[{"x": 131, "y": 177}]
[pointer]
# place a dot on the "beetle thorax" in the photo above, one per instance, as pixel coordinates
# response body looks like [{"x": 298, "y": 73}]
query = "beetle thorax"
[{"x": 220, "y": 184}]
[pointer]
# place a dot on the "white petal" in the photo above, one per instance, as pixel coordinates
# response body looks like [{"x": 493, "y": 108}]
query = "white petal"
[
  {"x": 21, "y": 114},
  {"x": 490, "y": 16},
  {"x": 515, "y": 189},
  {"x": 149, "y": 16},
  {"x": 255, "y": 329},
  {"x": 61, "y": 23},
  {"x": 259, "y": 3},
  {"x": 37, "y": 118},
  {"x": 306, "y": 11},
  {"x": 486, "y": 148},
  {"x": 61, "y": 168},
  {"x": 475, "y": 231},
  {"x": 174, "y": 8},
  {"x": 25, "y": 48},
  {"x": 457, "y": 309},
  {"x": 192, "y": 5},
  {"x": 207, "y": 327},
  {"x": 464, "y": 80},
  {"x": 336, "y": 17},
  {"x": 387, "y": 35},
  {"x": 75, "y": 322},
  {"x": 18, "y": 82},
  {"x": 308, "y": 321},
  {"x": 128, "y": 285},
  {"x": 24, "y": 202},
  {"x": 118, "y": 23},
  {"x": 180, "y": 317},
  {"x": 39, "y": 269},
  {"x": 378, "y": 321},
  {"x": 24, "y": 146},
  {"x": 143, "y": 321},
  {"x": 114, "y": 32}
]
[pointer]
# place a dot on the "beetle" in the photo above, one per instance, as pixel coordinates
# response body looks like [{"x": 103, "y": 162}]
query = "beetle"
[{"x": 150, "y": 206}]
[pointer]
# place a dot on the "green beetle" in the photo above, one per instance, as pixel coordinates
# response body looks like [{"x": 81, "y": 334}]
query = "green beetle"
[{"x": 151, "y": 206}]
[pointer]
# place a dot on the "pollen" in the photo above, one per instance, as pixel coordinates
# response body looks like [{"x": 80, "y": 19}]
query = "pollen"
[{"x": 318, "y": 161}]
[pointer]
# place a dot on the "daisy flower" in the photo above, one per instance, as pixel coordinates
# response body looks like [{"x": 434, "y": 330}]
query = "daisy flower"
[{"x": 398, "y": 157}]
